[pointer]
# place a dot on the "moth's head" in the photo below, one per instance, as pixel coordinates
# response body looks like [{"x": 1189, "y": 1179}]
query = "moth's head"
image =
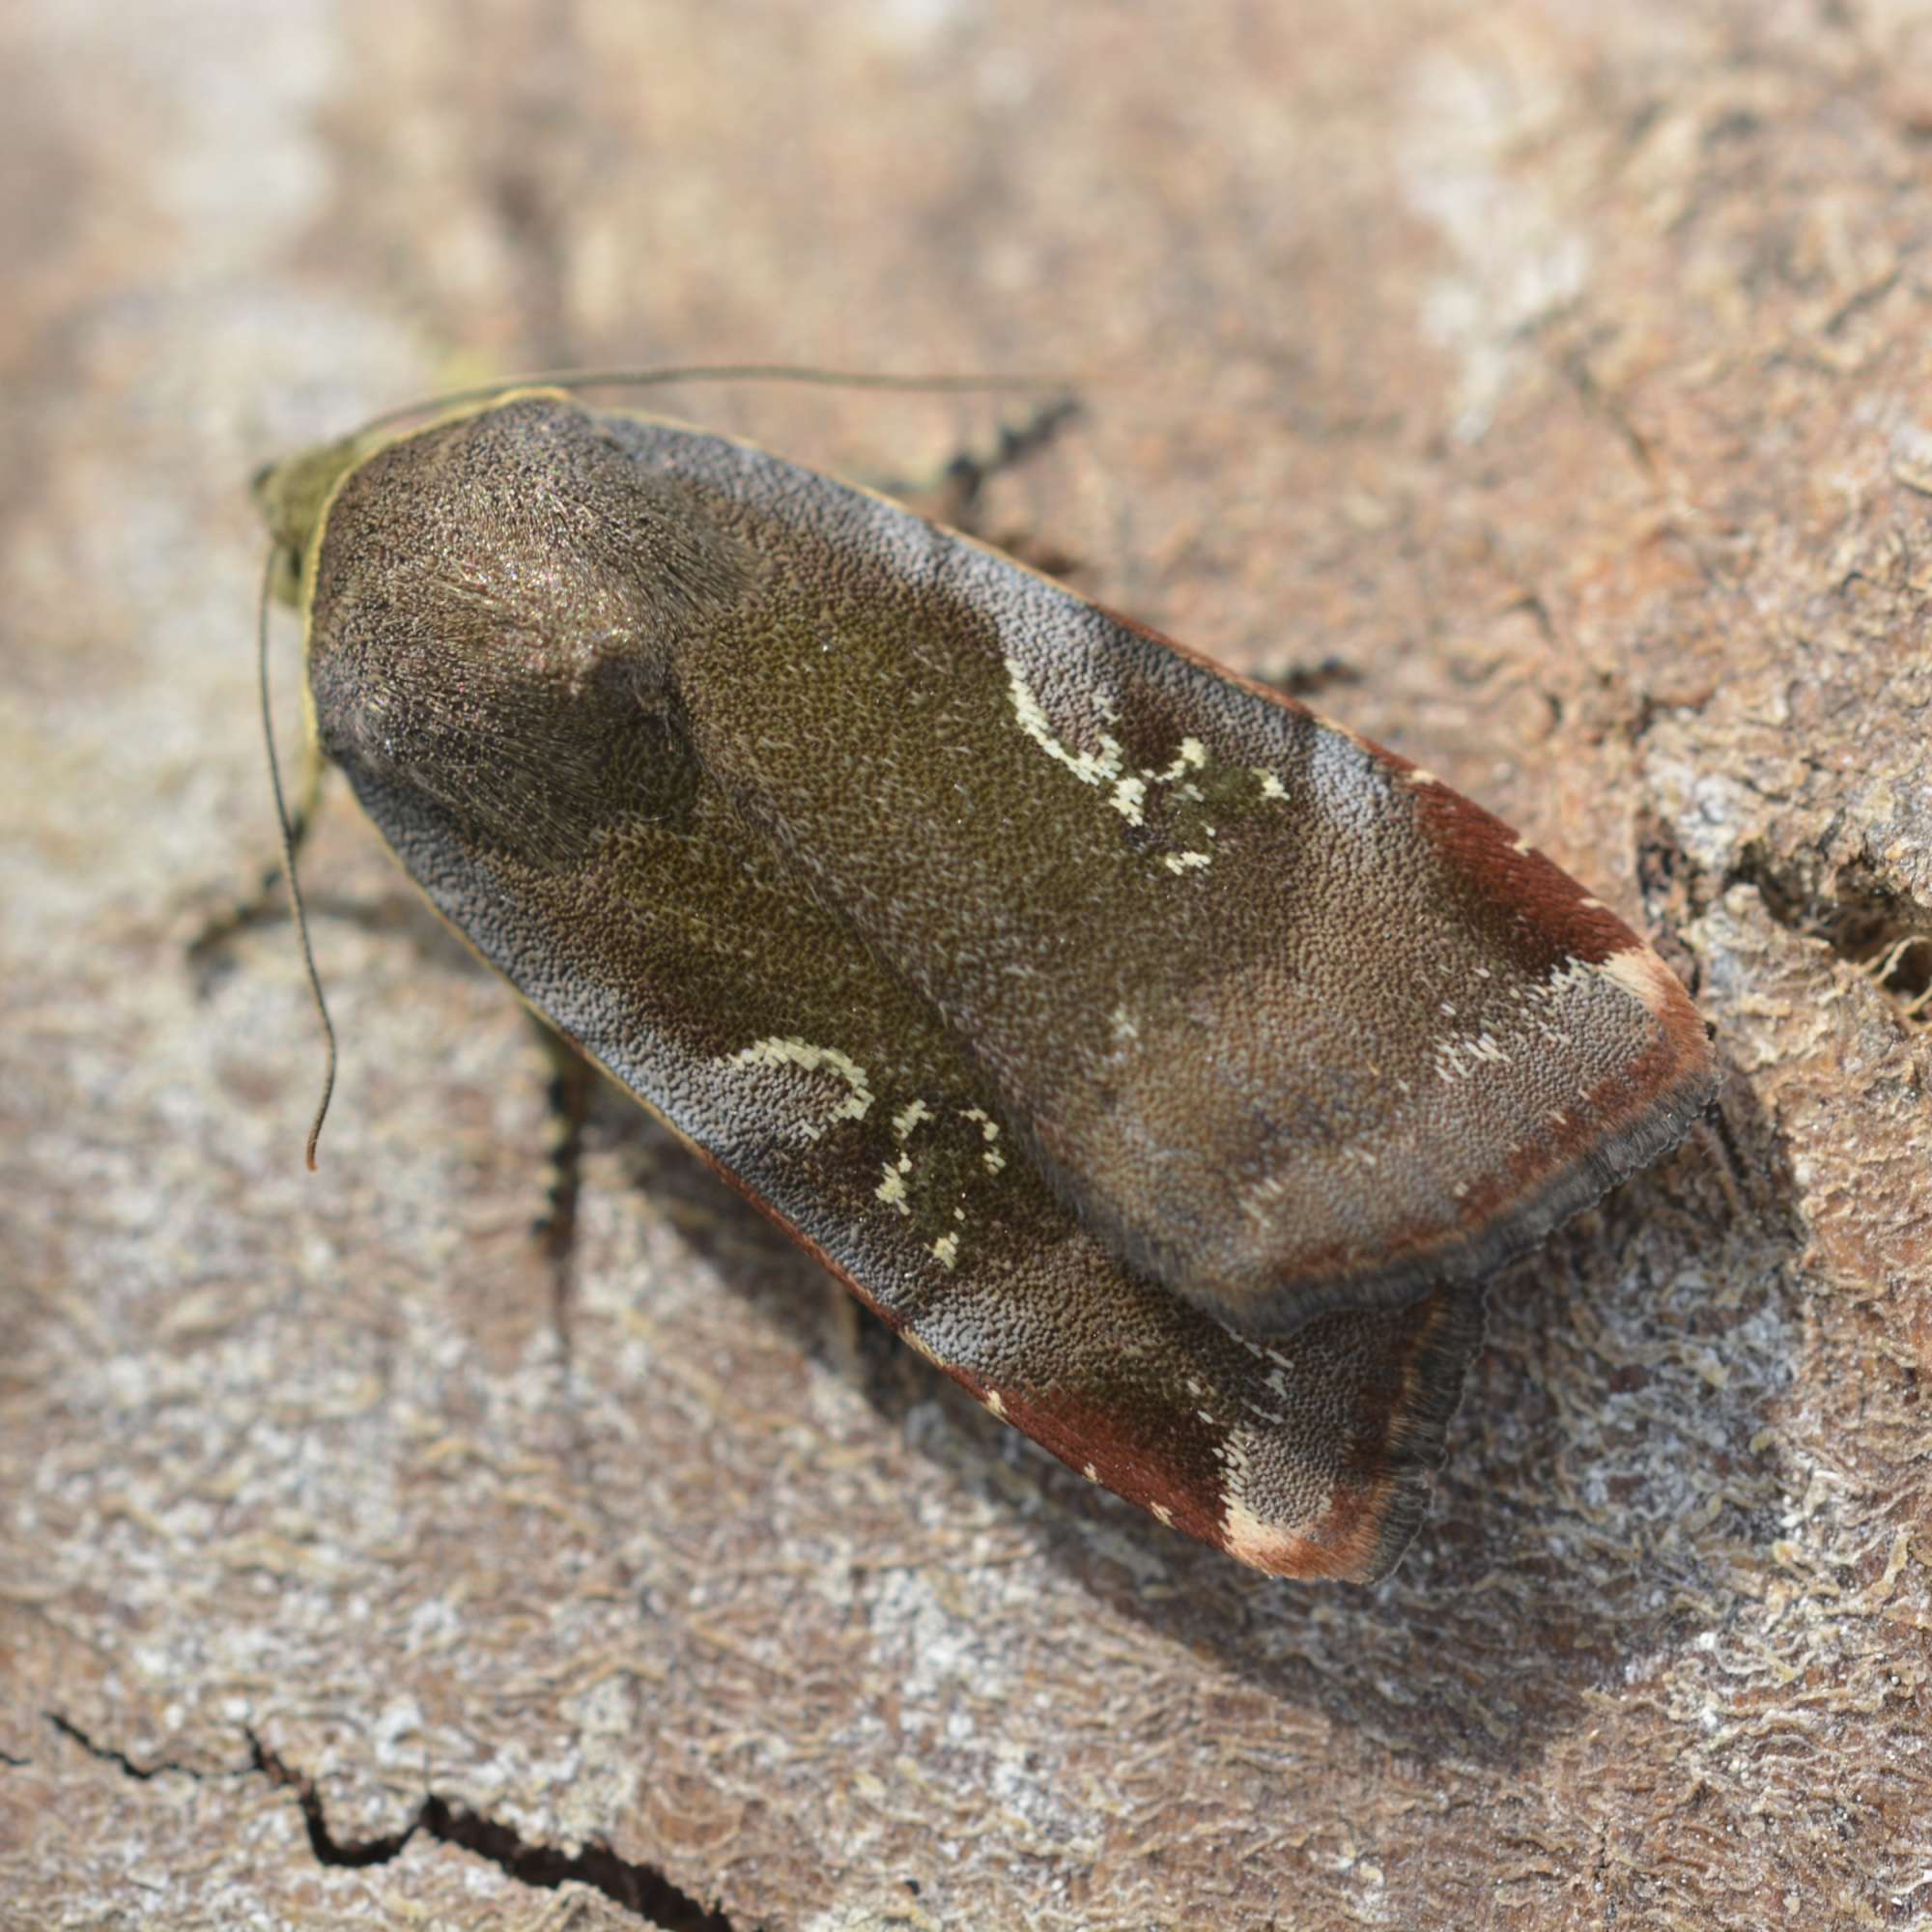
[{"x": 291, "y": 496}]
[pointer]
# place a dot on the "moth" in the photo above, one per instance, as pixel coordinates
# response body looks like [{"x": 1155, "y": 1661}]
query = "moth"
[{"x": 1168, "y": 1063}]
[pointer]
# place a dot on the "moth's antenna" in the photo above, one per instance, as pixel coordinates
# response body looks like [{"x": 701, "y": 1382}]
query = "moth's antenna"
[
  {"x": 723, "y": 372},
  {"x": 296, "y": 905}
]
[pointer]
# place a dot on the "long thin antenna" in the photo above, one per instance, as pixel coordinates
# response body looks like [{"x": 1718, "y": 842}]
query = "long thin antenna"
[
  {"x": 720, "y": 371},
  {"x": 296, "y": 905}
]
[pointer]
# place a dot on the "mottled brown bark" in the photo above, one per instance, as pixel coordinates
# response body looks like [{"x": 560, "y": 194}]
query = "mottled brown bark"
[{"x": 1559, "y": 377}]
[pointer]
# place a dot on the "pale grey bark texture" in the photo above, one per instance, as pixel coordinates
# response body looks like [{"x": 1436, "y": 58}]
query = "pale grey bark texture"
[{"x": 1560, "y": 370}]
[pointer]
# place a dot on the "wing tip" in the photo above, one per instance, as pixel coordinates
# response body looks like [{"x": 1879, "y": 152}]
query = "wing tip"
[
  {"x": 1638, "y": 1117},
  {"x": 1373, "y": 1513}
]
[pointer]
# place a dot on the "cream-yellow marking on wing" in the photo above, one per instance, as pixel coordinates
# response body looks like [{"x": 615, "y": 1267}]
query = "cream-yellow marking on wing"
[
  {"x": 1455, "y": 1058},
  {"x": 1192, "y": 755},
  {"x": 892, "y": 1190},
  {"x": 1126, "y": 791},
  {"x": 1245, "y": 1532},
  {"x": 1636, "y": 971},
  {"x": 1088, "y": 767},
  {"x": 989, "y": 1132},
  {"x": 1639, "y": 971},
  {"x": 801, "y": 1053}
]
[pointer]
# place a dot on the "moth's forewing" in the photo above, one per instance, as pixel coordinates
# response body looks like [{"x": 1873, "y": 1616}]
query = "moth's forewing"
[{"x": 1026, "y": 966}]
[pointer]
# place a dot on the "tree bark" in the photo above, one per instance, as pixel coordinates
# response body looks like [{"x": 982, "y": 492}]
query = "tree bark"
[{"x": 1547, "y": 386}]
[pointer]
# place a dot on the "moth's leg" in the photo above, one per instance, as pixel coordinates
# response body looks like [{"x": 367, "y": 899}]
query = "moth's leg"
[
  {"x": 265, "y": 901},
  {"x": 1308, "y": 677},
  {"x": 567, "y": 1091},
  {"x": 963, "y": 478},
  {"x": 952, "y": 494},
  {"x": 567, "y": 1094}
]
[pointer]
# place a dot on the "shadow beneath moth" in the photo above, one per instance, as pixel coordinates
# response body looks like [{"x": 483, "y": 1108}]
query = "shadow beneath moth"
[{"x": 1166, "y": 1062}]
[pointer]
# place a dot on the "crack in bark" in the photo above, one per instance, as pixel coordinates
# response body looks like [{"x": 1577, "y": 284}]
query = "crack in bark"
[
  {"x": 639, "y": 1887},
  {"x": 107, "y": 1753},
  {"x": 1867, "y": 922}
]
